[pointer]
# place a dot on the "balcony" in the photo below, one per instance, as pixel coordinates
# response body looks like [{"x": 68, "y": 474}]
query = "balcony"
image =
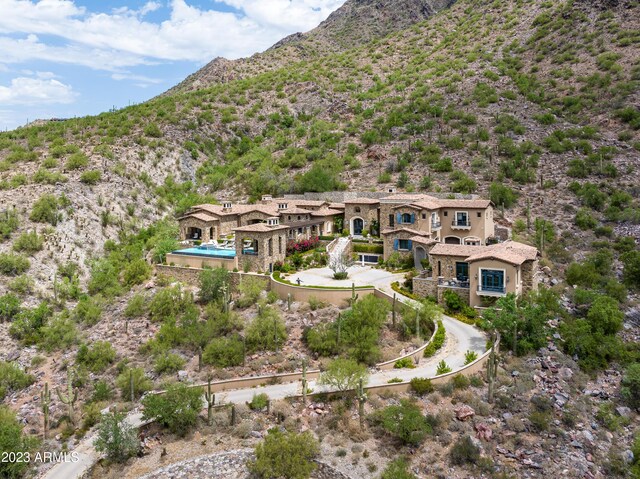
[
  {"x": 435, "y": 225},
  {"x": 494, "y": 291},
  {"x": 453, "y": 283},
  {"x": 461, "y": 225}
]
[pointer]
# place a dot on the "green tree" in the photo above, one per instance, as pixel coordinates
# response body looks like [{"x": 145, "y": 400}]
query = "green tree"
[
  {"x": 630, "y": 389},
  {"x": 9, "y": 306},
  {"x": 502, "y": 195},
  {"x": 45, "y": 210},
  {"x": 267, "y": 331},
  {"x": 343, "y": 374},
  {"x": 177, "y": 409},
  {"x": 605, "y": 316},
  {"x": 116, "y": 437},
  {"x": 12, "y": 440},
  {"x": 285, "y": 455},
  {"x": 404, "y": 422},
  {"x": 631, "y": 271},
  {"x": 212, "y": 284}
]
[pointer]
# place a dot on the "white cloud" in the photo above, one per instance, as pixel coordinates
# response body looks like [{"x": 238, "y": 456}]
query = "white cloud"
[
  {"x": 139, "y": 78},
  {"x": 36, "y": 91},
  {"x": 122, "y": 38}
]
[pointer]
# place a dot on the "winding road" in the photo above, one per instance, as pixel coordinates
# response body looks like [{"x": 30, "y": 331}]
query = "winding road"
[{"x": 460, "y": 338}]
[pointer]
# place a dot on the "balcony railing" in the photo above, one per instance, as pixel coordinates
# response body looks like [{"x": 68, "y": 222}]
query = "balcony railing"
[
  {"x": 461, "y": 224},
  {"x": 436, "y": 225},
  {"x": 492, "y": 290},
  {"x": 453, "y": 283}
]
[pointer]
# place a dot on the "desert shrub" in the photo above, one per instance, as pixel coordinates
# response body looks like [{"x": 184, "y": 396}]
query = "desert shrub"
[
  {"x": 212, "y": 284},
  {"x": 397, "y": 469},
  {"x": 630, "y": 386},
  {"x": 101, "y": 391},
  {"x": 9, "y": 306},
  {"x": 45, "y": 210},
  {"x": 116, "y": 437},
  {"x": 58, "y": 334},
  {"x": 13, "y": 264},
  {"x": 404, "y": 363},
  {"x": 22, "y": 285},
  {"x": 224, "y": 352},
  {"x": 267, "y": 331},
  {"x": 172, "y": 302},
  {"x": 315, "y": 303},
  {"x": 136, "y": 272},
  {"x": 631, "y": 270},
  {"x": 135, "y": 377},
  {"x": 76, "y": 161},
  {"x": 452, "y": 301},
  {"x": 438, "y": 341},
  {"x": 88, "y": 310},
  {"x": 422, "y": 386},
  {"x": 28, "y": 323},
  {"x": 259, "y": 402},
  {"x": 502, "y": 195},
  {"x": 177, "y": 409},
  {"x": 285, "y": 454},
  {"x": 460, "y": 381},
  {"x": 13, "y": 378},
  {"x": 405, "y": 422},
  {"x": 104, "y": 279},
  {"x": 90, "y": 177},
  {"x": 443, "y": 368},
  {"x": 96, "y": 357},
  {"x": 168, "y": 363},
  {"x": 470, "y": 356},
  {"x": 464, "y": 451},
  {"x": 9, "y": 222},
  {"x": 28, "y": 242},
  {"x": 427, "y": 313},
  {"x": 585, "y": 220},
  {"x": 12, "y": 440},
  {"x": 250, "y": 290},
  {"x": 136, "y": 306}
]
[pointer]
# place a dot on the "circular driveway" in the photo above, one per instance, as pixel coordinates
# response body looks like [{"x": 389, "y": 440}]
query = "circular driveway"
[{"x": 360, "y": 275}]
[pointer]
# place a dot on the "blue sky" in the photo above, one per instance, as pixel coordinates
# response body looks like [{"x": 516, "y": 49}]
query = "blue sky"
[{"x": 66, "y": 58}]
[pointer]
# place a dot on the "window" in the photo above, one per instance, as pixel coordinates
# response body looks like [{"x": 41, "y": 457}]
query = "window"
[
  {"x": 404, "y": 244},
  {"x": 357, "y": 209},
  {"x": 424, "y": 216},
  {"x": 391, "y": 223},
  {"x": 298, "y": 217},
  {"x": 279, "y": 244},
  {"x": 462, "y": 218},
  {"x": 479, "y": 214},
  {"x": 406, "y": 218},
  {"x": 289, "y": 218},
  {"x": 462, "y": 271},
  {"x": 492, "y": 280},
  {"x": 446, "y": 213}
]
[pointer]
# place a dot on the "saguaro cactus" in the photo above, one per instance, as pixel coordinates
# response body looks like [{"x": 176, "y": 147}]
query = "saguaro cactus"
[
  {"x": 71, "y": 397},
  {"x": 288, "y": 301},
  {"x": 304, "y": 382},
  {"x": 354, "y": 296},
  {"x": 45, "y": 402},
  {"x": 492, "y": 370},
  {"x": 362, "y": 398},
  {"x": 211, "y": 400},
  {"x": 233, "y": 414},
  {"x": 393, "y": 310}
]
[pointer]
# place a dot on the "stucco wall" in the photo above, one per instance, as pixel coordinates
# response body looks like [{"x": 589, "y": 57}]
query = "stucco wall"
[
  {"x": 474, "y": 276},
  {"x": 478, "y": 225}
]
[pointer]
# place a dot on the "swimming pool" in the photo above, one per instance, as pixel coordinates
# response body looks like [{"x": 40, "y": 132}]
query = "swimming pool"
[{"x": 208, "y": 252}]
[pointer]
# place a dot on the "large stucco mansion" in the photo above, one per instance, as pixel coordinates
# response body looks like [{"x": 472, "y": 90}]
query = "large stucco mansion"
[{"x": 452, "y": 241}]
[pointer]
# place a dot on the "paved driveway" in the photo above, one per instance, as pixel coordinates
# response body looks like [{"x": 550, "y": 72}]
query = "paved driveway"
[{"x": 360, "y": 275}]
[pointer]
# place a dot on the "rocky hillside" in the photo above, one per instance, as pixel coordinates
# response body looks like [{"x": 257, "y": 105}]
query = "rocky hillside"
[
  {"x": 356, "y": 23},
  {"x": 540, "y": 97}
]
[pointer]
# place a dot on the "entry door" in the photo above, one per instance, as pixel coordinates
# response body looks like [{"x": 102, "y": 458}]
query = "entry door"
[{"x": 358, "y": 226}]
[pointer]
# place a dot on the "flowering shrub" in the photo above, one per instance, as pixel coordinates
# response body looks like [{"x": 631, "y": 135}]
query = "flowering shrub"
[{"x": 302, "y": 246}]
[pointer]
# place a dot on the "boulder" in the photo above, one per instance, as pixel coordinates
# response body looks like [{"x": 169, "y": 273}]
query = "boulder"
[{"x": 464, "y": 412}]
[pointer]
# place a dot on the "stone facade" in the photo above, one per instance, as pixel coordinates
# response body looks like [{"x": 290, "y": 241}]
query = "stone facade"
[
  {"x": 268, "y": 246},
  {"x": 368, "y": 212},
  {"x": 425, "y": 287},
  {"x": 464, "y": 293}
]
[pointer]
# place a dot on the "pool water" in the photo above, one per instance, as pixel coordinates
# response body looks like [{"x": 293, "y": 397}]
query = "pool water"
[{"x": 208, "y": 252}]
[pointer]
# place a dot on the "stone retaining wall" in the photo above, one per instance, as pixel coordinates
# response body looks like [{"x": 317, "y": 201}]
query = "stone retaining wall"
[
  {"x": 191, "y": 276},
  {"x": 425, "y": 287},
  {"x": 227, "y": 465}
]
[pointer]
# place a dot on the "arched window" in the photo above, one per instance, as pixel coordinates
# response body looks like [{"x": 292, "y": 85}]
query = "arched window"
[{"x": 357, "y": 209}]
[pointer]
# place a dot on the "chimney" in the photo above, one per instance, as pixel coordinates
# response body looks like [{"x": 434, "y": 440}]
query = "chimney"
[
  {"x": 283, "y": 206},
  {"x": 275, "y": 221},
  {"x": 226, "y": 205},
  {"x": 267, "y": 198}
]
